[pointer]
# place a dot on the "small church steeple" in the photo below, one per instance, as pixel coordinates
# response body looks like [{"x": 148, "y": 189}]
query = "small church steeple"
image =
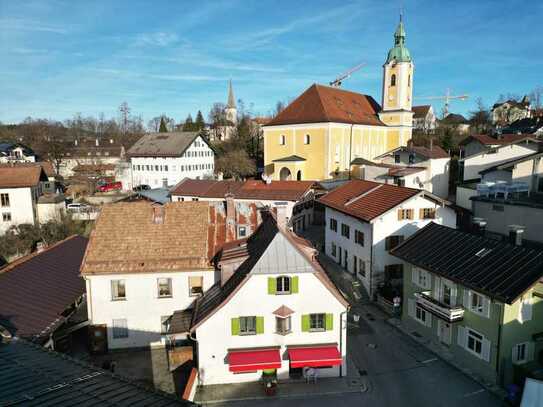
[
  {"x": 399, "y": 53},
  {"x": 231, "y": 110}
]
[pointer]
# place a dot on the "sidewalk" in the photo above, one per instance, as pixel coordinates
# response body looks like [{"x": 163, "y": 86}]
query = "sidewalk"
[
  {"x": 446, "y": 356},
  {"x": 230, "y": 393}
]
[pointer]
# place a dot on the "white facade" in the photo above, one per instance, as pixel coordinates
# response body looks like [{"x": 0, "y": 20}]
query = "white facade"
[
  {"x": 197, "y": 162},
  {"x": 477, "y": 162},
  {"x": 215, "y": 337},
  {"x": 373, "y": 256},
  {"x": 434, "y": 178},
  {"x": 142, "y": 309},
  {"x": 20, "y": 208},
  {"x": 51, "y": 211},
  {"x": 17, "y": 154}
]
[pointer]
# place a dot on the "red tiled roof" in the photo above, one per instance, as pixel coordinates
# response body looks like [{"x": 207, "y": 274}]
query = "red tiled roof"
[
  {"x": 373, "y": 200},
  {"x": 251, "y": 189},
  {"x": 435, "y": 152},
  {"x": 501, "y": 140},
  {"x": 420, "y": 111},
  {"x": 36, "y": 289},
  {"x": 326, "y": 104},
  {"x": 403, "y": 171},
  {"x": 21, "y": 176}
]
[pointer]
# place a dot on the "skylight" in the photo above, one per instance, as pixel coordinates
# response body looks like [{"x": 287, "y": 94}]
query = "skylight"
[{"x": 483, "y": 252}]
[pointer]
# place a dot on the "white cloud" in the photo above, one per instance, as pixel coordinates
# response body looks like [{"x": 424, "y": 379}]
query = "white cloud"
[
  {"x": 157, "y": 39},
  {"x": 20, "y": 24}
]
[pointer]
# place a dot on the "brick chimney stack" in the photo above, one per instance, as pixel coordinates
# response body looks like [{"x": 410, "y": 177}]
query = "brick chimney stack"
[{"x": 230, "y": 217}]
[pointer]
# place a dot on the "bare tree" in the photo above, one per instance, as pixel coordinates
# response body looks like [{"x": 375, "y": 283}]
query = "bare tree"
[
  {"x": 124, "y": 117},
  {"x": 535, "y": 97}
]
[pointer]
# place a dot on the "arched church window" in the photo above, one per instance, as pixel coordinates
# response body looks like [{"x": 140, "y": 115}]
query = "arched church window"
[{"x": 393, "y": 80}]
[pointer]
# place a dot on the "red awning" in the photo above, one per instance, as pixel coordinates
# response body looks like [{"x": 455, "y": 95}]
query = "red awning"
[
  {"x": 250, "y": 360},
  {"x": 317, "y": 356}
]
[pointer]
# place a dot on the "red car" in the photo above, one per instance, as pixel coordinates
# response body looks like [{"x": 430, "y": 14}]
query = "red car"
[{"x": 114, "y": 186}]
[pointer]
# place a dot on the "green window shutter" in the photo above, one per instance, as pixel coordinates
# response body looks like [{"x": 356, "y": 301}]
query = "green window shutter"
[
  {"x": 329, "y": 322},
  {"x": 305, "y": 323},
  {"x": 272, "y": 287},
  {"x": 259, "y": 325},
  {"x": 235, "y": 326},
  {"x": 294, "y": 285}
]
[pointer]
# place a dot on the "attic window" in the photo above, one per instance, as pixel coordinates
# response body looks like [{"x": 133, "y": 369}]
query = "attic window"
[
  {"x": 158, "y": 214},
  {"x": 483, "y": 252}
]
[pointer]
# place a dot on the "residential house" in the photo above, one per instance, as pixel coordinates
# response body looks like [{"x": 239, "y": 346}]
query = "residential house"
[
  {"x": 34, "y": 377},
  {"x": 15, "y": 152},
  {"x": 164, "y": 159},
  {"x": 507, "y": 112},
  {"x": 43, "y": 295},
  {"x": 318, "y": 135},
  {"x": 455, "y": 122},
  {"x": 365, "y": 220},
  {"x": 424, "y": 118},
  {"x": 275, "y": 316},
  {"x": 478, "y": 301},
  {"x": 418, "y": 167},
  {"x": 90, "y": 152},
  {"x": 296, "y": 196},
  {"x": 509, "y": 199},
  {"x": 532, "y": 125},
  {"x": 20, "y": 188},
  {"x": 482, "y": 152},
  {"x": 144, "y": 261}
]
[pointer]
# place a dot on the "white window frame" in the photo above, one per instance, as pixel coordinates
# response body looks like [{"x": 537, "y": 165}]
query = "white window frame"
[
  {"x": 527, "y": 353},
  {"x": 249, "y": 330},
  {"x": 115, "y": 290},
  {"x": 482, "y": 310},
  {"x": 119, "y": 328},
  {"x": 170, "y": 289},
  {"x": 525, "y": 309},
  {"x": 477, "y": 338},
  {"x": 315, "y": 320},
  {"x": 280, "y": 285},
  {"x": 192, "y": 287}
]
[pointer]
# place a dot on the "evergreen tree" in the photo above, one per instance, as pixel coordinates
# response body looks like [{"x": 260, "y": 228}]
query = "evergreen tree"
[
  {"x": 199, "y": 124},
  {"x": 162, "y": 128},
  {"x": 189, "y": 124}
]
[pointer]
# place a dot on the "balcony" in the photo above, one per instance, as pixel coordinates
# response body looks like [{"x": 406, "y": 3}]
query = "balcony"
[{"x": 439, "y": 309}]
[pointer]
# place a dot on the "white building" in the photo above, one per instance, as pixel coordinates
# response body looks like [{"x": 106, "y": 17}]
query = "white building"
[
  {"x": 365, "y": 220},
  {"x": 424, "y": 118},
  {"x": 20, "y": 188},
  {"x": 297, "y": 196},
  {"x": 163, "y": 159},
  {"x": 15, "y": 152},
  {"x": 90, "y": 152},
  {"x": 144, "y": 262},
  {"x": 417, "y": 167},
  {"x": 222, "y": 132},
  {"x": 277, "y": 315}
]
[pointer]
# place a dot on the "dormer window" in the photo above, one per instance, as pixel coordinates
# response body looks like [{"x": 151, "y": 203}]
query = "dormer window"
[{"x": 393, "y": 80}]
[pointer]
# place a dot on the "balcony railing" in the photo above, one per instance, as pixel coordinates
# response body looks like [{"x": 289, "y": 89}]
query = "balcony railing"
[{"x": 439, "y": 309}]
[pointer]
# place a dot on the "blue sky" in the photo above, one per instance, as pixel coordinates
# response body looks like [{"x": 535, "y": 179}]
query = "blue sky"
[{"x": 175, "y": 57}]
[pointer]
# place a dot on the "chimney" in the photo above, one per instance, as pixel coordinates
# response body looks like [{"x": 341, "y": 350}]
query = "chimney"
[
  {"x": 230, "y": 217},
  {"x": 75, "y": 142},
  {"x": 479, "y": 226},
  {"x": 158, "y": 214},
  {"x": 515, "y": 234},
  {"x": 110, "y": 141},
  {"x": 431, "y": 143},
  {"x": 281, "y": 208},
  {"x": 96, "y": 142}
]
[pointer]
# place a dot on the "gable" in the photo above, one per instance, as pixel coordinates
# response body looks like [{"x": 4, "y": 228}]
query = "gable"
[{"x": 281, "y": 257}]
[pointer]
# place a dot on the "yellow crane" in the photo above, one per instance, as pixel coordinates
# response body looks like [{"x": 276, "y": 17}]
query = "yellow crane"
[
  {"x": 447, "y": 97},
  {"x": 336, "y": 83}
]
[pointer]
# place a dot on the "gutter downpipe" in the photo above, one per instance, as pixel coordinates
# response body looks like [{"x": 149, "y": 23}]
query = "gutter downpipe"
[
  {"x": 350, "y": 150},
  {"x": 499, "y": 344},
  {"x": 341, "y": 340},
  {"x": 371, "y": 265}
]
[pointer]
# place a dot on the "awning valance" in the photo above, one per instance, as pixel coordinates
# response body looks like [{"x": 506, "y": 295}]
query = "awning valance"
[
  {"x": 314, "y": 356},
  {"x": 254, "y": 359}
]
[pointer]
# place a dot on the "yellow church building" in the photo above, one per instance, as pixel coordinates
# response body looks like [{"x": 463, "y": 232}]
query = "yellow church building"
[{"x": 322, "y": 131}]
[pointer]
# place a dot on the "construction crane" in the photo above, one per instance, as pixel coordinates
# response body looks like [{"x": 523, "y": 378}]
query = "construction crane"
[
  {"x": 336, "y": 83},
  {"x": 447, "y": 98}
]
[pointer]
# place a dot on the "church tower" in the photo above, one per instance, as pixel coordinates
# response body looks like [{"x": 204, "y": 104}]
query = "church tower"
[
  {"x": 398, "y": 86},
  {"x": 231, "y": 111}
]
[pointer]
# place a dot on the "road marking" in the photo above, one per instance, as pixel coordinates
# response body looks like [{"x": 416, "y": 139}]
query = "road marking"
[
  {"x": 473, "y": 393},
  {"x": 429, "y": 360}
]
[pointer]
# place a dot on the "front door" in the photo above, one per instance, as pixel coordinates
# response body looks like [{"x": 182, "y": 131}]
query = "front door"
[
  {"x": 98, "y": 338},
  {"x": 444, "y": 332}
]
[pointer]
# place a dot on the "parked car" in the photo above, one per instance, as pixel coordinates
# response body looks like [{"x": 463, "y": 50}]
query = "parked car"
[
  {"x": 77, "y": 207},
  {"x": 142, "y": 187},
  {"x": 114, "y": 186}
]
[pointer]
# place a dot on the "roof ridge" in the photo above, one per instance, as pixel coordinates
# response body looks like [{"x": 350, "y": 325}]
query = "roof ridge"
[
  {"x": 30, "y": 256},
  {"x": 363, "y": 194}
]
